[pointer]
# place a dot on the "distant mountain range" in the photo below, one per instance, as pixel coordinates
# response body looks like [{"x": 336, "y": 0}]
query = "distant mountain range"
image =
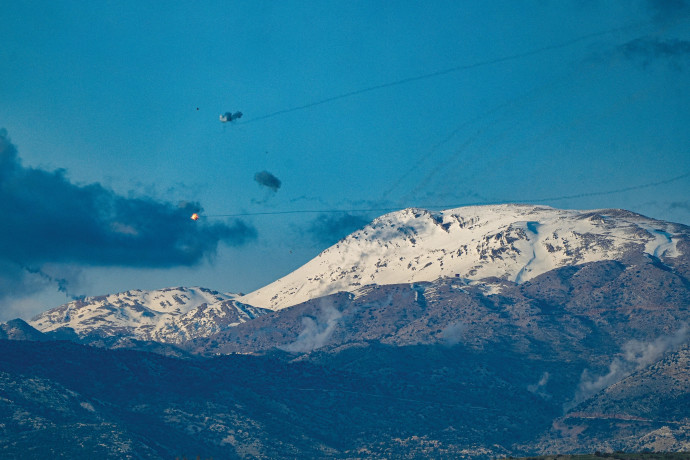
[
  {"x": 468, "y": 333},
  {"x": 168, "y": 315}
]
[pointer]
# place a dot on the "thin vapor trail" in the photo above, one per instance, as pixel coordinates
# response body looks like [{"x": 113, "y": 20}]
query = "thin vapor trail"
[
  {"x": 450, "y": 70},
  {"x": 492, "y": 167}
]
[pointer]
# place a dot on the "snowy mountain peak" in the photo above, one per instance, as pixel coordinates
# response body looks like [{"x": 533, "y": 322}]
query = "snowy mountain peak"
[
  {"x": 513, "y": 242},
  {"x": 166, "y": 315}
]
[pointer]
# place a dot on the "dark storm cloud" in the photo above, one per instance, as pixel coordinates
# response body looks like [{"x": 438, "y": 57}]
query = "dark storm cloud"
[
  {"x": 267, "y": 179},
  {"x": 647, "y": 50},
  {"x": 49, "y": 220},
  {"x": 329, "y": 228}
]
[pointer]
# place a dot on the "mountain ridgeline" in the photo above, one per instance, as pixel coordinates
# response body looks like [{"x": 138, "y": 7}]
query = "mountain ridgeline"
[{"x": 474, "y": 332}]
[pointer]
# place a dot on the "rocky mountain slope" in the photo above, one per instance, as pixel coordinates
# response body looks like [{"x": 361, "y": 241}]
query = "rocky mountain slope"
[
  {"x": 645, "y": 410},
  {"x": 593, "y": 309},
  {"x": 510, "y": 242},
  {"x": 18, "y": 329}
]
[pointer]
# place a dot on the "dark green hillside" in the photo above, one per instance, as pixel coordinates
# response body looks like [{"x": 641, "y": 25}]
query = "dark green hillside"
[{"x": 371, "y": 400}]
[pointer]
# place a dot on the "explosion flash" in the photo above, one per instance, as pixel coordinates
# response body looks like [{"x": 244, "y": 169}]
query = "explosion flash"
[{"x": 195, "y": 216}]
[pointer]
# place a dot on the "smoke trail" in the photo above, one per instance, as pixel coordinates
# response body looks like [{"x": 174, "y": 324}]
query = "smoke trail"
[
  {"x": 315, "y": 331},
  {"x": 636, "y": 355}
]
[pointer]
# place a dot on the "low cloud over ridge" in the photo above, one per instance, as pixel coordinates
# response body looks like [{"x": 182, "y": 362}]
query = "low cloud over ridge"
[{"x": 49, "y": 220}]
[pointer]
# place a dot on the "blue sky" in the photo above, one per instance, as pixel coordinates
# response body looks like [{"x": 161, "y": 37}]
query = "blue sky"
[{"x": 351, "y": 105}]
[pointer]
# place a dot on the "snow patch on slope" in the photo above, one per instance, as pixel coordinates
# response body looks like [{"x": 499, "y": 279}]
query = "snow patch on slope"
[{"x": 662, "y": 245}]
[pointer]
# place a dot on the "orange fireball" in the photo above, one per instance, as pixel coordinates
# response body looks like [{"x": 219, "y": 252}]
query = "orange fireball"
[{"x": 195, "y": 216}]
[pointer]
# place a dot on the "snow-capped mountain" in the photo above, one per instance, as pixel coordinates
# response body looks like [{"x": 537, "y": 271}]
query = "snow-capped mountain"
[
  {"x": 513, "y": 242},
  {"x": 509, "y": 242},
  {"x": 167, "y": 315}
]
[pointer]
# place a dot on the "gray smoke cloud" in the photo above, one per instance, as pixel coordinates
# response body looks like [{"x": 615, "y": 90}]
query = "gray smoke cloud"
[
  {"x": 315, "y": 331},
  {"x": 229, "y": 116},
  {"x": 647, "y": 50},
  {"x": 635, "y": 355},
  {"x": 266, "y": 179},
  {"x": 49, "y": 220},
  {"x": 330, "y": 228},
  {"x": 453, "y": 333},
  {"x": 539, "y": 388}
]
